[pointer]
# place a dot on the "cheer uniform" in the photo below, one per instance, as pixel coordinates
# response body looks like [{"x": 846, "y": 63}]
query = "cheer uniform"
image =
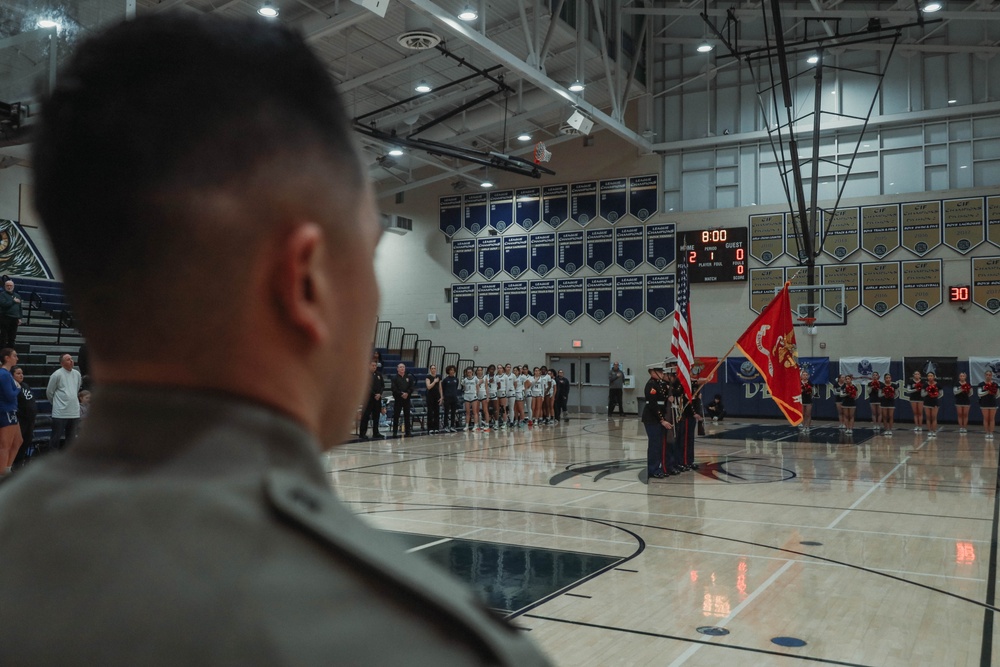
[
  {"x": 930, "y": 395},
  {"x": 888, "y": 396},
  {"x": 963, "y": 394},
  {"x": 807, "y": 393},
  {"x": 874, "y": 390},
  {"x": 838, "y": 393},
  {"x": 850, "y": 392},
  {"x": 913, "y": 392},
  {"x": 988, "y": 395}
]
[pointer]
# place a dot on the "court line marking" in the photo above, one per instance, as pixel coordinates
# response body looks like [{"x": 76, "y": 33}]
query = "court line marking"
[{"x": 429, "y": 545}]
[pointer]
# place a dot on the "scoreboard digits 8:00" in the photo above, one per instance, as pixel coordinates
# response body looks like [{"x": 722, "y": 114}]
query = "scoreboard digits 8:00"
[{"x": 715, "y": 255}]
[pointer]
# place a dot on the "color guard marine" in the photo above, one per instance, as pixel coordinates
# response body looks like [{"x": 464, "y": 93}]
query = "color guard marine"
[{"x": 657, "y": 420}]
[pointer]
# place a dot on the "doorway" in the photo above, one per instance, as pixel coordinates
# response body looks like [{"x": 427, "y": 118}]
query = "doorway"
[{"x": 588, "y": 380}]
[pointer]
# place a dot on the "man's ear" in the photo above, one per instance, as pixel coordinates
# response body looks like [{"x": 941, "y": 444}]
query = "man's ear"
[{"x": 302, "y": 281}]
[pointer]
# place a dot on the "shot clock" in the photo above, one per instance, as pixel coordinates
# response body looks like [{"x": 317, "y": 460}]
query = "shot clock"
[
  {"x": 715, "y": 255},
  {"x": 959, "y": 294}
]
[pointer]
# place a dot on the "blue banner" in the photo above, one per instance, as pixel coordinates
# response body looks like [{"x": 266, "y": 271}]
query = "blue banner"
[
  {"x": 600, "y": 245},
  {"x": 739, "y": 370},
  {"x": 628, "y": 296},
  {"x": 515, "y": 301},
  {"x": 600, "y": 297},
  {"x": 515, "y": 255},
  {"x": 463, "y": 303},
  {"x": 555, "y": 204},
  {"x": 488, "y": 251},
  {"x": 488, "y": 302},
  {"x": 628, "y": 247},
  {"x": 528, "y": 206},
  {"x": 583, "y": 201},
  {"x": 476, "y": 212},
  {"x": 818, "y": 367},
  {"x": 501, "y": 209},
  {"x": 661, "y": 245},
  {"x": 450, "y": 214},
  {"x": 661, "y": 299},
  {"x": 543, "y": 253},
  {"x": 542, "y": 300},
  {"x": 463, "y": 258},
  {"x": 569, "y": 298},
  {"x": 570, "y": 249},
  {"x": 643, "y": 196},
  {"x": 614, "y": 199}
]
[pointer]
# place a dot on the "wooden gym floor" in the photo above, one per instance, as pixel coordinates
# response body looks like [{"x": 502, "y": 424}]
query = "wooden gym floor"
[{"x": 783, "y": 549}]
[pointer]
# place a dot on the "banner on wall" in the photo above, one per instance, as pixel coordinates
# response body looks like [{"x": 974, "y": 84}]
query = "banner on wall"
[
  {"x": 515, "y": 301},
  {"x": 542, "y": 300},
  {"x": 922, "y": 284},
  {"x": 543, "y": 253},
  {"x": 600, "y": 249},
  {"x": 643, "y": 196},
  {"x": 767, "y": 237},
  {"x": 704, "y": 370},
  {"x": 569, "y": 299},
  {"x": 921, "y": 226},
  {"x": 613, "y": 202},
  {"x": 818, "y": 368},
  {"x": 583, "y": 201},
  {"x": 488, "y": 253},
  {"x": 945, "y": 369},
  {"x": 555, "y": 204},
  {"x": 880, "y": 229},
  {"x": 993, "y": 220},
  {"x": 628, "y": 297},
  {"x": 978, "y": 367},
  {"x": 515, "y": 255},
  {"x": 463, "y": 303},
  {"x": 740, "y": 370},
  {"x": 986, "y": 283},
  {"x": 476, "y": 212},
  {"x": 463, "y": 258},
  {"x": 527, "y": 206},
  {"x": 660, "y": 294},
  {"x": 488, "y": 307},
  {"x": 501, "y": 209},
  {"x": 628, "y": 247},
  {"x": 963, "y": 223},
  {"x": 863, "y": 367},
  {"x": 569, "y": 247},
  {"x": 843, "y": 232},
  {"x": 450, "y": 214},
  {"x": 600, "y": 295}
]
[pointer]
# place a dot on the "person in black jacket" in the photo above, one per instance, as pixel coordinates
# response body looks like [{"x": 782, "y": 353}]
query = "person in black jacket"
[
  {"x": 374, "y": 405},
  {"x": 403, "y": 385},
  {"x": 659, "y": 452},
  {"x": 433, "y": 396},
  {"x": 450, "y": 388},
  {"x": 562, "y": 395},
  {"x": 27, "y": 410}
]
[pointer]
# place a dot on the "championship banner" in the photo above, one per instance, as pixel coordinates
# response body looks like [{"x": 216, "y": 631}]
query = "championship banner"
[
  {"x": 848, "y": 275},
  {"x": 600, "y": 249},
  {"x": 704, "y": 370},
  {"x": 501, "y": 209},
  {"x": 600, "y": 297},
  {"x": 763, "y": 284},
  {"x": 740, "y": 370},
  {"x": 661, "y": 248},
  {"x": 978, "y": 367},
  {"x": 794, "y": 245},
  {"x": 476, "y": 212},
  {"x": 986, "y": 283},
  {"x": 463, "y": 258},
  {"x": 569, "y": 247},
  {"x": 643, "y": 196},
  {"x": 628, "y": 247},
  {"x": 921, "y": 226},
  {"x": 569, "y": 299},
  {"x": 798, "y": 276},
  {"x": 543, "y": 253},
  {"x": 767, "y": 237},
  {"x": 842, "y": 229},
  {"x": 463, "y": 303},
  {"x": 542, "y": 300},
  {"x": 527, "y": 206},
  {"x": 515, "y": 255},
  {"x": 817, "y": 367},
  {"x": 628, "y": 296},
  {"x": 660, "y": 299},
  {"x": 555, "y": 204},
  {"x": 880, "y": 286},
  {"x": 515, "y": 301},
  {"x": 450, "y": 214},
  {"x": 583, "y": 201},
  {"x": 993, "y": 220},
  {"x": 963, "y": 223},
  {"x": 488, "y": 304},
  {"x": 489, "y": 251},
  {"x": 922, "y": 280},
  {"x": 614, "y": 199},
  {"x": 880, "y": 229},
  {"x": 769, "y": 344},
  {"x": 945, "y": 369},
  {"x": 863, "y": 367}
]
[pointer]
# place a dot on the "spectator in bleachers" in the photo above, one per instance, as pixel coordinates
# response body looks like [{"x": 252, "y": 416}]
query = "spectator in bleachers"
[
  {"x": 84, "y": 396},
  {"x": 10, "y": 314},
  {"x": 10, "y": 432},
  {"x": 63, "y": 392},
  {"x": 27, "y": 411}
]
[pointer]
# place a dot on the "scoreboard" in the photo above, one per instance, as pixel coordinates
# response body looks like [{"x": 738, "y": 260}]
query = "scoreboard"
[{"x": 715, "y": 255}]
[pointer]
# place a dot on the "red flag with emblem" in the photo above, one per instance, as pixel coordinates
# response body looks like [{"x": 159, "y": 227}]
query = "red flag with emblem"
[{"x": 769, "y": 344}]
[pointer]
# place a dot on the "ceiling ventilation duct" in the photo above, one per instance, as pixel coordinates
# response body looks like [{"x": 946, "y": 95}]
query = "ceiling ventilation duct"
[{"x": 419, "y": 34}]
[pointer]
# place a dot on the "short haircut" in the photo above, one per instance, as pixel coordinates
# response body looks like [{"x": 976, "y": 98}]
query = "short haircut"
[
  {"x": 5, "y": 353},
  {"x": 156, "y": 130}
]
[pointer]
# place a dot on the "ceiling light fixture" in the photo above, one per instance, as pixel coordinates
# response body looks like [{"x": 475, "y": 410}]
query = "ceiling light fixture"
[
  {"x": 812, "y": 60},
  {"x": 395, "y": 151},
  {"x": 576, "y": 87},
  {"x": 468, "y": 14},
  {"x": 45, "y": 24},
  {"x": 952, "y": 101},
  {"x": 932, "y": 7},
  {"x": 524, "y": 136},
  {"x": 705, "y": 47},
  {"x": 267, "y": 10},
  {"x": 423, "y": 87}
]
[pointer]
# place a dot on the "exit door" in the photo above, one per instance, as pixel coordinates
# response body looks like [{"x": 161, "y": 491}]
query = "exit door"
[{"x": 588, "y": 380}]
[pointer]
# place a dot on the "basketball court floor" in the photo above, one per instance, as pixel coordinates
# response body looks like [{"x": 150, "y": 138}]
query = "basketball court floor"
[{"x": 783, "y": 549}]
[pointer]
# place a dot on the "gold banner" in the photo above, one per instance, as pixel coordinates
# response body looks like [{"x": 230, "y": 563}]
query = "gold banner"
[
  {"x": 922, "y": 285},
  {"x": 880, "y": 281},
  {"x": 880, "y": 229},
  {"x": 842, "y": 232},
  {"x": 847, "y": 275},
  {"x": 963, "y": 223},
  {"x": 763, "y": 283},
  {"x": 992, "y": 220},
  {"x": 986, "y": 283},
  {"x": 792, "y": 241},
  {"x": 921, "y": 223},
  {"x": 797, "y": 276},
  {"x": 767, "y": 241}
]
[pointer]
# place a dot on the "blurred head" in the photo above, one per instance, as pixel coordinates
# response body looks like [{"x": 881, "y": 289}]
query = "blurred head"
[
  {"x": 9, "y": 286},
  {"x": 8, "y": 358},
  {"x": 401, "y": 369},
  {"x": 255, "y": 202},
  {"x": 65, "y": 361},
  {"x": 18, "y": 374}
]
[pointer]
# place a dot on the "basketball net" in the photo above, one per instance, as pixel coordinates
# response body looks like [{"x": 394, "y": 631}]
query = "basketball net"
[{"x": 541, "y": 155}]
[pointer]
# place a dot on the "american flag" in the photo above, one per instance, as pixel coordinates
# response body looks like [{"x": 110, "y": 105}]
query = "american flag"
[{"x": 681, "y": 338}]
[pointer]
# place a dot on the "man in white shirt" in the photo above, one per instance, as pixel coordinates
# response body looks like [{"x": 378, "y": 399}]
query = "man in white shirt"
[{"x": 63, "y": 393}]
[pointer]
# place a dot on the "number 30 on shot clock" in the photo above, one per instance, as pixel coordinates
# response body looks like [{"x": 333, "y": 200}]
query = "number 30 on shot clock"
[
  {"x": 716, "y": 255},
  {"x": 959, "y": 294}
]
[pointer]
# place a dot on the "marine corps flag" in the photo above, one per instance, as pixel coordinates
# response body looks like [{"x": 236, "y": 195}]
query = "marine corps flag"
[{"x": 769, "y": 344}]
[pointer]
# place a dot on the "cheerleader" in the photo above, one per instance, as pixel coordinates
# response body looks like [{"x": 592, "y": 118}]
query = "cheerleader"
[
  {"x": 988, "y": 403},
  {"x": 470, "y": 397},
  {"x": 807, "y": 401},
  {"x": 838, "y": 400},
  {"x": 888, "y": 404},
  {"x": 849, "y": 403},
  {"x": 930, "y": 393},
  {"x": 914, "y": 389},
  {"x": 874, "y": 390},
  {"x": 963, "y": 394}
]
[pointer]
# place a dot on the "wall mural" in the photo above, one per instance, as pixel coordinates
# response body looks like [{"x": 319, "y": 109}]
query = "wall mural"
[{"x": 18, "y": 255}]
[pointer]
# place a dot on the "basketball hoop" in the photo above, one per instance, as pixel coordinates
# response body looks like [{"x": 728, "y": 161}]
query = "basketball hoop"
[
  {"x": 810, "y": 324},
  {"x": 541, "y": 155}
]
